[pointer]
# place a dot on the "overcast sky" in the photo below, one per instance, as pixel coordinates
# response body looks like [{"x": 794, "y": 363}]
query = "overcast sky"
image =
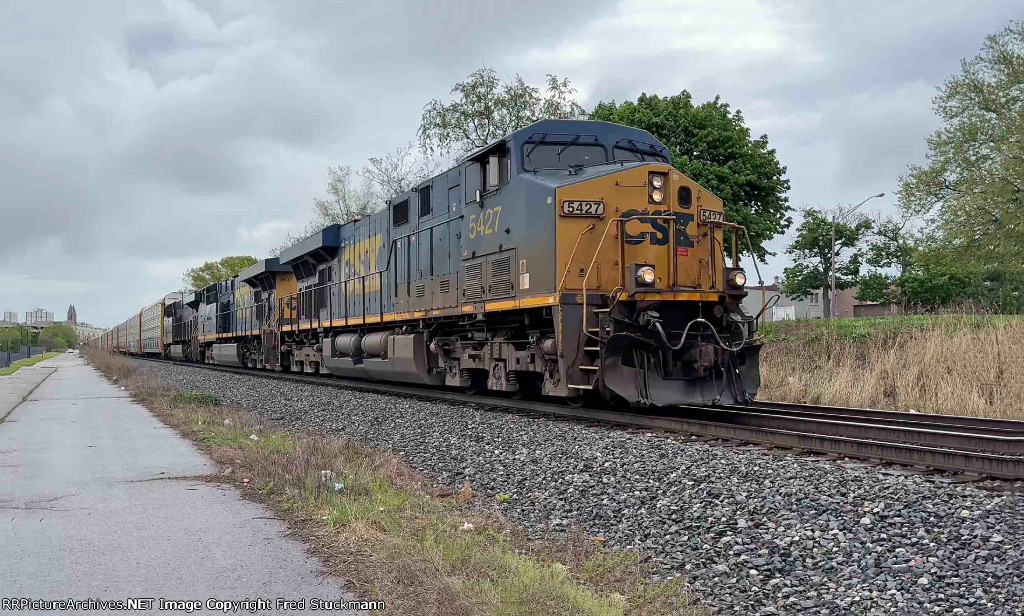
[{"x": 140, "y": 138}]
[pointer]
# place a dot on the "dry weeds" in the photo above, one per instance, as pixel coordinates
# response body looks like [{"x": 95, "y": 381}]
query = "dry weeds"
[
  {"x": 394, "y": 535},
  {"x": 953, "y": 365}
]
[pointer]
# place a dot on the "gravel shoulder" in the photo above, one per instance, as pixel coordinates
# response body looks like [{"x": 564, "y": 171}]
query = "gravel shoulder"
[{"x": 753, "y": 533}]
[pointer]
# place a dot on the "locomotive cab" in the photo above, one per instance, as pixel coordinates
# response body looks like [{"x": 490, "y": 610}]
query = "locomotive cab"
[{"x": 649, "y": 280}]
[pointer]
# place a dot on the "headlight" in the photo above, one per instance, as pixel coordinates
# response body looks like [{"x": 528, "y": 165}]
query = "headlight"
[
  {"x": 657, "y": 181},
  {"x": 657, "y": 196},
  {"x": 645, "y": 275},
  {"x": 738, "y": 279}
]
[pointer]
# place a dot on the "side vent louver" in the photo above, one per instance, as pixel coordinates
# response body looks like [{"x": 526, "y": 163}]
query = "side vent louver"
[
  {"x": 501, "y": 276},
  {"x": 474, "y": 273},
  {"x": 420, "y": 289},
  {"x": 444, "y": 285}
]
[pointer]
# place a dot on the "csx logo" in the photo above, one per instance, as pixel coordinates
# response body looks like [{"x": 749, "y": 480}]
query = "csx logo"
[{"x": 655, "y": 231}]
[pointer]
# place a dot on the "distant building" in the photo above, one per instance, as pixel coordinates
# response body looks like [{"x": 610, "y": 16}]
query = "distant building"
[
  {"x": 10, "y": 316},
  {"x": 787, "y": 308},
  {"x": 84, "y": 331},
  {"x": 847, "y": 305},
  {"x": 38, "y": 317},
  {"x": 812, "y": 306}
]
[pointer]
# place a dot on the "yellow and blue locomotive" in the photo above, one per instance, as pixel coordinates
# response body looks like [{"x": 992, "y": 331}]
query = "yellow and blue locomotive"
[{"x": 568, "y": 259}]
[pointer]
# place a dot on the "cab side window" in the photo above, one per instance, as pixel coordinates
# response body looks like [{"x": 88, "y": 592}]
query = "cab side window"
[
  {"x": 497, "y": 169},
  {"x": 400, "y": 213},
  {"x": 488, "y": 171},
  {"x": 474, "y": 185}
]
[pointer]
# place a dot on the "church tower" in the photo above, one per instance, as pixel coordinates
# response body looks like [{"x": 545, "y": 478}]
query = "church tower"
[{"x": 72, "y": 315}]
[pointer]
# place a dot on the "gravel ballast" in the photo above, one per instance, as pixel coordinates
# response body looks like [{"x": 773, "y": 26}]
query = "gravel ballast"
[{"x": 753, "y": 533}]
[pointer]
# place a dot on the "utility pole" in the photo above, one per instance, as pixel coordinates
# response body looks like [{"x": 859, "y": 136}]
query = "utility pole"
[{"x": 840, "y": 216}]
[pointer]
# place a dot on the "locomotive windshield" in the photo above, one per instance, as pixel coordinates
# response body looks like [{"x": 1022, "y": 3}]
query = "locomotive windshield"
[
  {"x": 538, "y": 156},
  {"x": 556, "y": 152},
  {"x": 634, "y": 155},
  {"x": 633, "y": 150}
]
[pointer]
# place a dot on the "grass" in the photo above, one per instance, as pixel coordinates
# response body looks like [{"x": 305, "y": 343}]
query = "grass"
[
  {"x": 388, "y": 530},
  {"x": 953, "y": 364},
  {"x": 28, "y": 361},
  {"x": 867, "y": 328}
]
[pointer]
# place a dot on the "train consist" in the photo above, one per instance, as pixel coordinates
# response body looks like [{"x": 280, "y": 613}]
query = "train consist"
[{"x": 568, "y": 259}]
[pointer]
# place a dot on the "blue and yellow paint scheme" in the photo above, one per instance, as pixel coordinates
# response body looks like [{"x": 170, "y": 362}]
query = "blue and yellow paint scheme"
[{"x": 568, "y": 257}]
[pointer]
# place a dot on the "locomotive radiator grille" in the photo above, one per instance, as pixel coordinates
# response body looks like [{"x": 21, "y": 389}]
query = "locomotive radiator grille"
[
  {"x": 501, "y": 276},
  {"x": 474, "y": 273}
]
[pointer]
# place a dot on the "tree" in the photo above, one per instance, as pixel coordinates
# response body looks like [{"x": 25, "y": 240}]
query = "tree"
[
  {"x": 387, "y": 175},
  {"x": 932, "y": 282},
  {"x": 215, "y": 271},
  {"x": 812, "y": 250},
  {"x": 486, "y": 108},
  {"x": 974, "y": 178},
  {"x": 346, "y": 201},
  {"x": 712, "y": 145},
  {"x": 58, "y": 337},
  {"x": 11, "y": 338},
  {"x": 937, "y": 277},
  {"x": 892, "y": 244},
  {"x": 398, "y": 171},
  {"x": 879, "y": 287}
]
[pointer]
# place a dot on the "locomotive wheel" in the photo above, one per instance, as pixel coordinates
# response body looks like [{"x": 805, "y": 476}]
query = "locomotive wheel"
[
  {"x": 476, "y": 385},
  {"x": 576, "y": 402},
  {"x": 477, "y": 381},
  {"x": 529, "y": 388}
]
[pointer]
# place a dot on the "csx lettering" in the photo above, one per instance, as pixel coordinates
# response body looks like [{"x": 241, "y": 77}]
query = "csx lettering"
[
  {"x": 658, "y": 233},
  {"x": 360, "y": 260},
  {"x": 486, "y": 223}
]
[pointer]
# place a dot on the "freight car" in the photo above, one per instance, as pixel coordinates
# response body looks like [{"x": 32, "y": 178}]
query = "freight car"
[
  {"x": 568, "y": 259},
  {"x": 143, "y": 333}
]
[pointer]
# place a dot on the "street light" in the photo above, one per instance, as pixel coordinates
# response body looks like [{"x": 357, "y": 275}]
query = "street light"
[{"x": 840, "y": 215}]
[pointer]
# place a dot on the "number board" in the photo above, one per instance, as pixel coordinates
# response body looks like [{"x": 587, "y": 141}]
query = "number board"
[
  {"x": 583, "y": 208},
  {"x": 706, "y": 216}
]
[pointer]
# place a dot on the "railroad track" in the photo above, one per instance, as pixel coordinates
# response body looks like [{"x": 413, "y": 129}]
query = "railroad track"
[{"x": 977, "y": 447}]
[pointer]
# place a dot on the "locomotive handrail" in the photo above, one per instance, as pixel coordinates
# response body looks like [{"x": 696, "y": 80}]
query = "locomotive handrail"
[
  {"x": 302, "y": 305},
  {"x": 362, "y": 282},
  {"x": 753, "y": 259},
  {"x": 568, "y": 264},
  {"x": 620, "y": 225}
]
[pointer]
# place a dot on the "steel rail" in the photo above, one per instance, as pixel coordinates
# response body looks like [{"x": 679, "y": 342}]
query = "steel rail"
[
  {"x": 958, "y": 437},
  {"x": 911, "y": 421},
  {"x": 966, "y": 450},
  {"x": 985, "y": 423}
]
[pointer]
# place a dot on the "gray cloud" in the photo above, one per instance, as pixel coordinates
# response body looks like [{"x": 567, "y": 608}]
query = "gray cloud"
[{"x": 137, "y": 139}]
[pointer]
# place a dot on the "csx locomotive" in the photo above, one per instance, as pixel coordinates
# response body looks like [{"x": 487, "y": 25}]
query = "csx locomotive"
[{"x": 568, "y": 259}]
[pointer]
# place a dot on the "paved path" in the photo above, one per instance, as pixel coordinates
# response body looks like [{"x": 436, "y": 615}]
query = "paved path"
[{"x": 89, "y": 507}]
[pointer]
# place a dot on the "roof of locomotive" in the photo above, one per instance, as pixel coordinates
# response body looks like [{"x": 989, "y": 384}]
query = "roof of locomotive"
[
  {"x": 607, "y": 133},
  {"x": 263, "y": 266},
  {"x": 327, "y": 238}
]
